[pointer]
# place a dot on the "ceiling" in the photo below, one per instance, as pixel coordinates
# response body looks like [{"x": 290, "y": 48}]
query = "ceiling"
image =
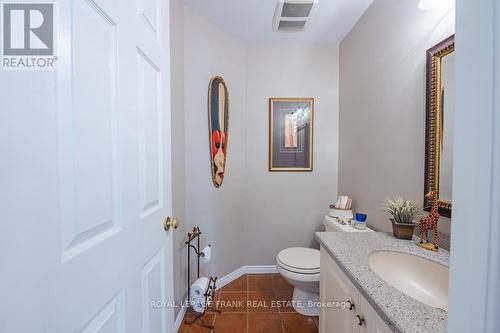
[{"x": 252, "y": 20}]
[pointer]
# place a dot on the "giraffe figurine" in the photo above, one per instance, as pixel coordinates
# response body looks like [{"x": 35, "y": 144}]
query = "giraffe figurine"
[{"x": 430, "y": 222}]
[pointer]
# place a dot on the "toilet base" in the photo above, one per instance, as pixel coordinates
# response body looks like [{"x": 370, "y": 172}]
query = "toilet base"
[{"x": 306, "y": 303}]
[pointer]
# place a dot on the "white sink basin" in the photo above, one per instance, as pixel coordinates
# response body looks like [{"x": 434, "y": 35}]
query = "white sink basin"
[{"x": 417, "y": 277}]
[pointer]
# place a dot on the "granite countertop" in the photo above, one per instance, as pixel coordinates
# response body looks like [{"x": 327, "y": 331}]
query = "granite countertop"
[{"x": 402, "y": 313}]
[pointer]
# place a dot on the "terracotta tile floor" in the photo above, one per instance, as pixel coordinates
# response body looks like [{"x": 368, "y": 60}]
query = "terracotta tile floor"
[{"x": 254, "y": 304}]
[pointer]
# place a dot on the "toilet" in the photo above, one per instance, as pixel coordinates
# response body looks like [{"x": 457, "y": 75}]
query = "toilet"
[{"x": 300, "y": 267}]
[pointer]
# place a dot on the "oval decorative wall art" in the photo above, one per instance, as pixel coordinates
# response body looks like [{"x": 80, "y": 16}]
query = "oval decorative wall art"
[{"x": 218, "y": 118}]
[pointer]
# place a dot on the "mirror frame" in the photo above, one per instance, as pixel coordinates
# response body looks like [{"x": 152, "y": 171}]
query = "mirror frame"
[
  {"x": 433, "y": 126},
  {"x": 210, "y": 129}
]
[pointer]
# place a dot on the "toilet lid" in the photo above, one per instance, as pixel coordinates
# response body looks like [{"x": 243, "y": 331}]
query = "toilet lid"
[{"x": 299, "y": 259}]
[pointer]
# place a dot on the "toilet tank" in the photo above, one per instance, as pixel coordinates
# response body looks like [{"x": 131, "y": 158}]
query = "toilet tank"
[{"x": 331, "y": 224}]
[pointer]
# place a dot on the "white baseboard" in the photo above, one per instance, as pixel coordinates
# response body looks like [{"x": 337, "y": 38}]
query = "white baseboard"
[
  {"x": 180, "y": 317},
  {"x": 261, "y": 269},
  {"x": 255, "y": 269},
  {"x": 226, "y": 279}
]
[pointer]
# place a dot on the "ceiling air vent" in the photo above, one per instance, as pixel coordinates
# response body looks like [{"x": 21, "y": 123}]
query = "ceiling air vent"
[{"x": 292, "y": 15}]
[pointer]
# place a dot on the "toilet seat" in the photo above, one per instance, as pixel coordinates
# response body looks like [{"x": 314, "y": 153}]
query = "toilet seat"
[{"x": 299, "y": 260}]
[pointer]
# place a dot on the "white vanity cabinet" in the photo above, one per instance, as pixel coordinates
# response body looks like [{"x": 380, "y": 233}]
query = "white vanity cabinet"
[{"x": 335, "y": 289}]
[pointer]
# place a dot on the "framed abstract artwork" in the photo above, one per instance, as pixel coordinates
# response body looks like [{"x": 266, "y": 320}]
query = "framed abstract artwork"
[
  {"x": 218, "y": 123},
  {"x": 291, "y": 123}
]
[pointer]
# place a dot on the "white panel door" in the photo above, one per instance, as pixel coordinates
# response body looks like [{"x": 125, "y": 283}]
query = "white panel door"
[{"x": 86, "y": 177}]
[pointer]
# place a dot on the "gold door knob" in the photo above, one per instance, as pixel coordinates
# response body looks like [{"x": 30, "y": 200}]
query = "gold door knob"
[{"x": 170, "y": 222}]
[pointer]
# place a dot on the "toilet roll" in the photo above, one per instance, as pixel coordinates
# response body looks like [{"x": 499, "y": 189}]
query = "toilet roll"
[
  {"x": 197, "y": 294},
  {"x": 198, "y": 306},
  {"x": 207, "y": 254}
]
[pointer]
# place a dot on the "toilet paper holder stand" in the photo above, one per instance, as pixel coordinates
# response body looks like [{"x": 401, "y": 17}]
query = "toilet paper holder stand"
[{"x": 210, "y": 292}]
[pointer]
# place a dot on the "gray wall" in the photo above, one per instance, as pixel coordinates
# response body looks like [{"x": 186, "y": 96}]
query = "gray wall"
[
  {"x": 178, "y": 156},
  {"x": 255, "y": 213},
  {"x": 284, "y": 209},
  {"x": 200, "y": 51},
  {"x": 382, "y": 104},
  {"x": 209, "y": 51}
]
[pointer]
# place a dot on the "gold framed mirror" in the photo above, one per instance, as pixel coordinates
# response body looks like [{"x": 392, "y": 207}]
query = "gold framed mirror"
[{"x": 440, "y": 107}]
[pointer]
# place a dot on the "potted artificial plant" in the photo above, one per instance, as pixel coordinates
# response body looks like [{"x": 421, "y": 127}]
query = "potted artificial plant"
[{"x": 403, "y": 213}]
